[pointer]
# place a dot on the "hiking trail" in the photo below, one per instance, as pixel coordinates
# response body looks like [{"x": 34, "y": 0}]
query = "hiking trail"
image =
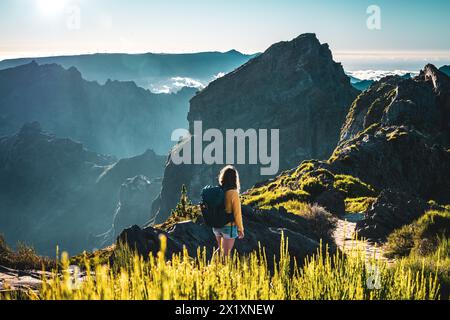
[{"x": 344, "y": 236}]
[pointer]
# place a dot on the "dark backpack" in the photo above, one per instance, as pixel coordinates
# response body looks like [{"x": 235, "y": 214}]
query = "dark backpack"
[{"x": 213, "y": 207}]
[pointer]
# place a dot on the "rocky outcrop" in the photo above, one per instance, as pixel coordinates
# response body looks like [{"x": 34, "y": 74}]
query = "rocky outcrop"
[
  {"x": 261, "y": 227},
  {"x": 397, "y": 135},
  {"x": 117, "y": 118},
  {"x": 294, "y": 86},
  {"x": 53, "y": 191},
  {"x": 390, "y": 211},
  {"x": 422, "y": 103},
  {"x": 398, "y": 158}
]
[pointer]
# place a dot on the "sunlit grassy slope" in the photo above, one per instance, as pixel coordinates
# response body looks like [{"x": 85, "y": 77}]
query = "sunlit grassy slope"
[{"x": 322, "y": 276}]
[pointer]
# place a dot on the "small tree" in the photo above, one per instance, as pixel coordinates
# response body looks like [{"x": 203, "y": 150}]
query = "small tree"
[{"x": 184, "y": 208}]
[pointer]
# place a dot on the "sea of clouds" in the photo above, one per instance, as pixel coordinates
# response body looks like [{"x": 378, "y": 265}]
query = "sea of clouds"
[
  {"x": 175, "y": 84},
  {"x": 376, "y": 75}
]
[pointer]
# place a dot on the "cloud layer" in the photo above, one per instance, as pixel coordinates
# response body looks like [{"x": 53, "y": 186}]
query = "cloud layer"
[{"x": 376, "y": 75}]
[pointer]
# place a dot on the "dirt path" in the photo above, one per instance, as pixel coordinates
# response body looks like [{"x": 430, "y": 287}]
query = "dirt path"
[
  {"x": 344, "y": 236},
  {"x": 15, "y": 280}
]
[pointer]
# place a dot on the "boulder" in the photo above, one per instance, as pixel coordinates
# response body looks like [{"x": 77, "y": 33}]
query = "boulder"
[
  {"x": 390, "y": 211},
  {"x": 261, "y": 226},
  {"x": 333, "y": 201}
]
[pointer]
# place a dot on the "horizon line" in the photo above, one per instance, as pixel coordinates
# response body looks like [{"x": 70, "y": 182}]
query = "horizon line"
[{"x": 29, "y": 55}]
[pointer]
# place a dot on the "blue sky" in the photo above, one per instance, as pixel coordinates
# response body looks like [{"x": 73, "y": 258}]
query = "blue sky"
[{"x": 40, "y": 27}]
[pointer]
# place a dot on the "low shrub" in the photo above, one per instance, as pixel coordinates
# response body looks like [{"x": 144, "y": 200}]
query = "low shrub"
[
  {"x": 23, "y": 258},
  {"x": 422, "y": 236},
  {"x": 321, "y": 221}
]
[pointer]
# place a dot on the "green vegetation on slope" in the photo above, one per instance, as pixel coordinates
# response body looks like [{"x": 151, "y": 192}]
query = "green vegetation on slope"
[
  {"x": 437, "y": 262},
  {"x": 421, "y": 237},
  {"x": 294, "y": 188},
  {"x": 424, "y": 245},
  {"x": 358, "y": 205}
]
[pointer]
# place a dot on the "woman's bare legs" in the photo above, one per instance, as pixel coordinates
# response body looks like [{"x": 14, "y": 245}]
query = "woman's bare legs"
[
  {"x": 219, "y": 242},
  {"x": 227, "y": 245}
]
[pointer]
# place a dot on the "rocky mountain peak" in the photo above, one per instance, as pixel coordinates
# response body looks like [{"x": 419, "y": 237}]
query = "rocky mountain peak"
[
  {"x": 294, "y": 86},
  {"x": 422, "y": 103},
  {"x": 439, "y": 79}
]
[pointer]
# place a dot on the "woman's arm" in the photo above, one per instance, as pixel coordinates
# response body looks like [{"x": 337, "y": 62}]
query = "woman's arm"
[{"x": 237, "y": 211}]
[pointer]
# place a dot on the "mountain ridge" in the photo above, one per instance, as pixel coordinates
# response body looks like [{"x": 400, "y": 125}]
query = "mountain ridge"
[
  {"x": 98, "y": 115},
  {"x": 146, "y": 69}
]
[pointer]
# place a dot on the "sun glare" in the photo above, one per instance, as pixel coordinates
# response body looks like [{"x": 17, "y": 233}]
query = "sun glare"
[{"x": 50, "y": 7}]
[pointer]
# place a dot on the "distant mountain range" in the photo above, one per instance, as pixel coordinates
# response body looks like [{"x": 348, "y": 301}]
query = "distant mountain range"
[
  {"x": 446, "y": 70},
  {"x": 364, "y": 84},
  {"x": 117, "y": 118},
  {"x": 158, "y": 72}
]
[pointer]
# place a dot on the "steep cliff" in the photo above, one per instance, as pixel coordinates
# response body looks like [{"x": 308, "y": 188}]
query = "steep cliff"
[
  {"x": 294, "y": 86},
  {"x": 422, "y": 103}
]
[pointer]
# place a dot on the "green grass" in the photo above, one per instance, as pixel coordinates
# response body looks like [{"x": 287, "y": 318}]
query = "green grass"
[
  {"x": 358, "y": 205},
  {"x": 303, "y": 185},
  {"x": 264, "y": 197},
  {"x": 321, "y": 276},
  {"x": 396, "y": 134},
  {"x": 437, "y": 263},
  {"x": 352, "y": 187},
  {"x": 424, "y": 245},
  {"x": 422, "y": 236},
  {"x": 338, "y": 153},
  {"x": 292, "y": 206}
]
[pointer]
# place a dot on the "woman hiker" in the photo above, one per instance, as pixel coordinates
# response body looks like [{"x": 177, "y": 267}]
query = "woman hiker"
[{"x": 226, "y": 236}]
